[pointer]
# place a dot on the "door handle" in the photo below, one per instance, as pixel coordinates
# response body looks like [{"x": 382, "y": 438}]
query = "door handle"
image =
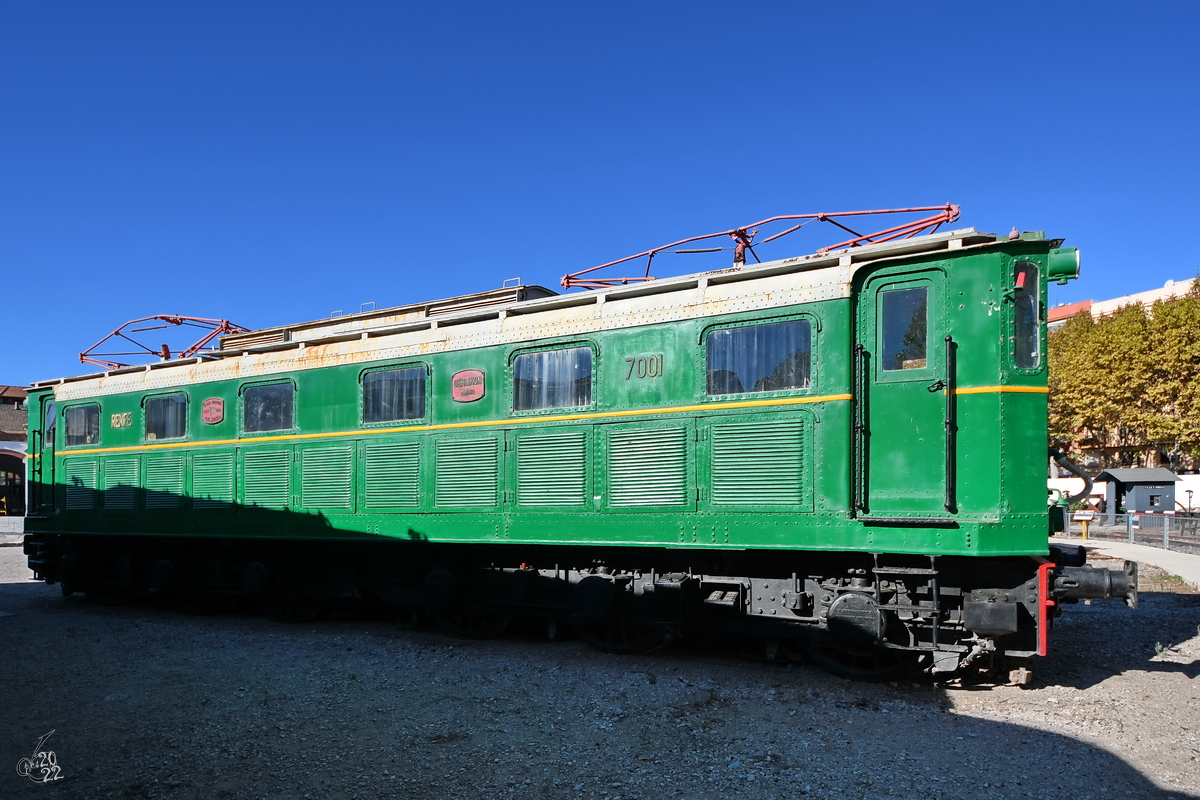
[
  {"x": 859, "y": 483},
  {"x": 936, "y": 386},
  {"x": 951, "y": 423}
]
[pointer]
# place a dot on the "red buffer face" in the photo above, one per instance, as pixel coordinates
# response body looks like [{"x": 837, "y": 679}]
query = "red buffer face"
[{"x": 467, "y": 386}]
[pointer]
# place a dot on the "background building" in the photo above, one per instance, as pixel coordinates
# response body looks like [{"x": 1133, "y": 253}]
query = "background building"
[
  {"x": 14, "y": 424},
  {"x": 1058, "y": 315}
]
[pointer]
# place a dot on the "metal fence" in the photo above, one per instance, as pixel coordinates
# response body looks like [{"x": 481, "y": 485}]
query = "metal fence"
[{"x": 1168, "y": 531}]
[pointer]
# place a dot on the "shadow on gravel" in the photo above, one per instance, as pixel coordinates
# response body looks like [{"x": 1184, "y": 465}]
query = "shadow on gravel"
[
  {"x": 148, "y": 702},
  {"x": 1092, "y": 643},
  {"x": 15, "y": 597}
]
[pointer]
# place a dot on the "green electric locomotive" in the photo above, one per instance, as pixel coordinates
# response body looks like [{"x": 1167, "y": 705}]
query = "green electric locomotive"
[{"x": 846, "y": 449}]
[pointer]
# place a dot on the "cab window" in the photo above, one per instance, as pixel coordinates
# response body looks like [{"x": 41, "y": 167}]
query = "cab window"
[
  {"x": 1027, "y": 344},
  {"x": 905, "y": 329},
  {"x": 51, "y": 423}
]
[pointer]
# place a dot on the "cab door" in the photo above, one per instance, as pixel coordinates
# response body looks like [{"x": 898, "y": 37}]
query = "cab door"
[
  {"x": 41, "y": 472},
  {"x": 901, "y": 464}
]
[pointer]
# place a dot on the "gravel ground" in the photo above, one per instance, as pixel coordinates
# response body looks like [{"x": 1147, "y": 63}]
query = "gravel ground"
[{"x": 145, "y": 701}]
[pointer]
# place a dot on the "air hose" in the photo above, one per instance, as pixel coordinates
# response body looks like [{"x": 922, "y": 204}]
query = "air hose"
[{"x": 1066, "y": 464}]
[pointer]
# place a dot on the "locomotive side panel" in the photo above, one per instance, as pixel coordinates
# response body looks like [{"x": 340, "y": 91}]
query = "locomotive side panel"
[{"x": 720, "y": 464}]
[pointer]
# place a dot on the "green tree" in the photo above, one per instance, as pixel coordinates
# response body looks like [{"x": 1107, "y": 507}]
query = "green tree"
[
  {"x": 1129, "y": 383},
  {"x": 915, "y": 336},
  {"x": 1070, "y": 376},
  {"x": 1174, "y": 388}
]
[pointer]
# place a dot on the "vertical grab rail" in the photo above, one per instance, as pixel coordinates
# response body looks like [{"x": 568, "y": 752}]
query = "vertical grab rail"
[
  {"x": 859, "y": 500},
  {"x": 33, "y": 496},
  {"x": 951, "y": 426}
]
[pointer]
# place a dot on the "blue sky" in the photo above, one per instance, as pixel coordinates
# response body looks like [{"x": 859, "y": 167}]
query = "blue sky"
[{"x": 273, "y": 162}]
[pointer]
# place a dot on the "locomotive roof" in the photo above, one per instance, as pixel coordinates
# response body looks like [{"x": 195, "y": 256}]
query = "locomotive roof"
[
  {"x": 512, "y": 314},
  {"x": 333, "y": 325}
]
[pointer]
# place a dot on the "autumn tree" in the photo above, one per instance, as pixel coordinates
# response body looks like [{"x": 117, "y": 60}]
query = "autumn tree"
[
  {"x": 1174, "y": 386},
  {"x": 1129, "y": 384}
]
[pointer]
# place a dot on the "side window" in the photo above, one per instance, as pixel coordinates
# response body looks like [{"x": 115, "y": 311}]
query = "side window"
[
  {"x": 905, "y": 329},
  {"x": 267, "y": 407},
  {"x": 51, "y": 423},
  {"x": 394, "y": 394},
  {"x": 553, "y": 379},
  {"x": 759, "y": 358},
  {"x": 1027, "y": 344},
  {"x": 166, "y": 417},
  {"x": 83, "y": 425}
]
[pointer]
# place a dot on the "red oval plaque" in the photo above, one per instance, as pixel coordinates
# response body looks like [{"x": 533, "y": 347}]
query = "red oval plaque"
[
  {"x": 212, "y": 411},
  {"x": 467, "y": 386}
]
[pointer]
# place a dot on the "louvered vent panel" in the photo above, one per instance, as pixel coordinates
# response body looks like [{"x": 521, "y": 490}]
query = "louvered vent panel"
[
  {"x": 120, "y": 483},
  {"x": 552, "y": 470},
  {"x": 81, "y": 483},
  {"x": 393, "y": 475},
  {"x": 467, "y": 473},
  {"x": 759, "y": 464},
  {"x": 327, "y": 476},
  {"x": 648, "y": 467},
  {"x": 212, "y": 480},
  {"x": 267, "y": 476},
  {"x": 164, "y": 482}
]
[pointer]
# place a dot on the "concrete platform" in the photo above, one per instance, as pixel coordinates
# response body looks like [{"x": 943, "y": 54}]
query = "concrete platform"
[
  {"x": 12, "y": 530},
  {"x": 1185, "y": 565}
]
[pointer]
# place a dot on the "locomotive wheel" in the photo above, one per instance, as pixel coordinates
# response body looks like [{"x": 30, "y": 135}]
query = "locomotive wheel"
[
  {"x": 857, "y": 665},
  {"x": 620, "y": 637},
  {"x": 471, "y": 623}
]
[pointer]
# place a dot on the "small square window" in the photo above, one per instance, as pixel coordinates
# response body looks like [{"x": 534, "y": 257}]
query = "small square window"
[
  {"x": 166, "y": 417},
  {"x": 553, "y": 379},
  {"x": 83, "y": 425},
  {"x": 394, "y": 394},
  {"x": 759, "y": 358},
  {"x": 267, "y": 407}
]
